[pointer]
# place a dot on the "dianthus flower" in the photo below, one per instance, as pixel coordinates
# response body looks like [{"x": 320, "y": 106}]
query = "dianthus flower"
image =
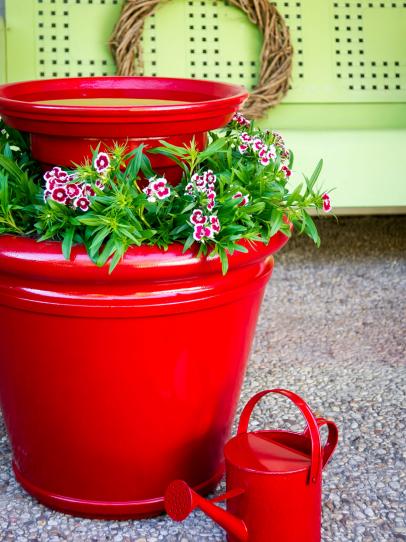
[
  {"x": 157, "y": 188},
  {"x": 202, "y": 232},
  {"x": 101, "y": 162},
  {"x": 244, "y": 200},
  {"x": 198, "y": 217},
  {"x": 82, "y": 203},
  {"x": 326, "y": 203}
]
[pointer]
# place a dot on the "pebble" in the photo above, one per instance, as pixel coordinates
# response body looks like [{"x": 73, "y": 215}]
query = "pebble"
[{"x": 331, "y": 329}]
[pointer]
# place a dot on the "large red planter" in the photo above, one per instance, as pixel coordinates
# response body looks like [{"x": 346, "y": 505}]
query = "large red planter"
[
  {"x": 113, "y": 385},
  {"x": 63, "y": 133}
]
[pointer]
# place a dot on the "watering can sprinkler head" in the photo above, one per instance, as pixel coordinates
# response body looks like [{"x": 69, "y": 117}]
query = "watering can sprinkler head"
[{"x": 181, "y": 500}]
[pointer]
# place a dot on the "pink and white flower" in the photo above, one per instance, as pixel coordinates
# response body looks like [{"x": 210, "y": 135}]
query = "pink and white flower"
[
  {"x": 198, "y": 217},
  {"x": 150, "y": 194},
  {"x": 210, "y": 178},
  {"x": 214, "y": 223},
  {"x": 82, "y": 203},
  {"x": 278, "y": 139},
  {"x": 243, "y": 148},
  {"x": 263, "y": 152},
  {"x": 272, "y": 151},
  {"x": 160, "y": 188},
  {"x": 245, "y": 138},
  {"x": 285, "y": 154},
  {"x": 59, "y": 194},
  {"x": 47, "y": 195},
  {"x": 189, "y": 189},
  {"x": 102, "y": 162},
  {"x": 57, "y": 174},
  {"x": 244, "y": 200},
  {"x": 211, "y": 195},
  {"x": 326, "y": 203},
  {"x": 200, "y": 183},
  {"x": 257, "y": 144},
  {"x": 203, "y": 183},
  {"x": 73, "y": 190},
  {"x": 88, "y": 190},
  {"x": 241, "y": 120},
  {"x": 286, "y": 171},
  {"x": 195, "y": 177},
  {"x": 157, "y": 188},
  {"x": 100, "y": 184},
  {"x": 52, "y": 183},
  {"x": 202, "y": 232},
  {"x": 265, "y": 161}
]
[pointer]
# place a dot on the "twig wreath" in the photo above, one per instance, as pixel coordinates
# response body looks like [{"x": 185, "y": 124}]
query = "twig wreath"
[{"x": 275, "y": 59}]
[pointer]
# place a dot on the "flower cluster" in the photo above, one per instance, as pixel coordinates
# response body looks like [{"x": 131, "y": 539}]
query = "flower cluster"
[
  {"x": 265, "y": 153},
  {"x": 204, "y": 227},
  {"x": 67, "y": 189},
  {"x": 203, "y": 183},
  {"x": 157, "y": 189},
  {"x": 241, "y": 120},
  {"x": 279, "y": 142},
  {"x": 245, "y": 195}
]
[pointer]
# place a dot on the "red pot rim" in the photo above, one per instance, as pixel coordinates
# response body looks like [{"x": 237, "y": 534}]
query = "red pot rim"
[
  {"x": 205, "y": 98},
  {"x": 25, "y": 256}
]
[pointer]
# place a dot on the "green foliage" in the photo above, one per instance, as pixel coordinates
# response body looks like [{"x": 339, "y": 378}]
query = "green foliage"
[{"x": 253, "y": 200}]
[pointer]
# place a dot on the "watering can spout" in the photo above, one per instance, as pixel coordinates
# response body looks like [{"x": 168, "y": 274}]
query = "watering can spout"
[{"x": 181, "y": 500}]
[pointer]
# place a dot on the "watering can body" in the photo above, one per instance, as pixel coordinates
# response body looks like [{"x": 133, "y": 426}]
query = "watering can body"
[{"x": 274, "y": 481}]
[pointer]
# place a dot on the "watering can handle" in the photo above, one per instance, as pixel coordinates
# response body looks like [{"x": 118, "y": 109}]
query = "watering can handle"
[
  {"x": 312, "y": 427},
  {"x": 332, "y": 439}
]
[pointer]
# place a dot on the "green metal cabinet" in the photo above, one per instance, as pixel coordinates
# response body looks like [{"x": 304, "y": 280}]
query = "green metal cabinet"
[{"x": 347, "y": 103}]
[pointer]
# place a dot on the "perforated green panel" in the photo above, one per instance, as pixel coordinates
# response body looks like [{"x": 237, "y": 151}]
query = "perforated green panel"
[
  {"x": 344, "y": 51},
  {"x": 348, "y": 85}
]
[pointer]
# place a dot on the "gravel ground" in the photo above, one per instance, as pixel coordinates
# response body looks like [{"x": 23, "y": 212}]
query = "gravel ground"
[{"x": 332, "y": 328}]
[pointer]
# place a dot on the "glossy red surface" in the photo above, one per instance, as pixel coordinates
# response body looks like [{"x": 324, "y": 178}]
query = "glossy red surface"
[
  {"x": 113, "y": 385},
  {"x": 62, "y": 134},
  {"x": 277, "y": 477}
]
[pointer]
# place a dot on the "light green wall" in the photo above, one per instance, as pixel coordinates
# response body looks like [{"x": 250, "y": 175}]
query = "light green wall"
[{"x": 360, "y": 132}]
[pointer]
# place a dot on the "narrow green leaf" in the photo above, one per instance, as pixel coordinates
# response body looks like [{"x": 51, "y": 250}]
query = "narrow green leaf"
[
  {"x": 310, "y": 228},
  {"x": 118, "y": 254},
  {"x": 213, "y": 148},
  {"x": 314, "y": 176},
  {"x": 134, "y": 164},
  {"x": 146, "y": 167},
  {"x": 291, "y": 159},
  {"x": 67, "y": 242},
  {"x": 107, "y": 251},
  {"x": 98, "y": 240},
  {"x": 7, "y": 152},
  {"x": 188, "y": 243},
  {"x": 240, "y": 248},
  {"x": 179, "y": 229},
  {"x": 276, "y": 220},
  {"x": 177, "y": 151},
  {"x": 11, "y": 167},
  {"x": 224, "y": 259},
  {"x": 295, "y": 195},
  {"x": 89, "y": 220}
]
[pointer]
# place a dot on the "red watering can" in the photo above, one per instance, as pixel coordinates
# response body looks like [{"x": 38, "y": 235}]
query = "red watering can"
[{"x": 273, "y": 481}]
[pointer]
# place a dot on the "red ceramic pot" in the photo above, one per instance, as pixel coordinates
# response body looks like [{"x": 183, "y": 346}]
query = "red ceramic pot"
[
  {"x": 61, "y": 133},
  {"x": 114, "y": 385}
]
